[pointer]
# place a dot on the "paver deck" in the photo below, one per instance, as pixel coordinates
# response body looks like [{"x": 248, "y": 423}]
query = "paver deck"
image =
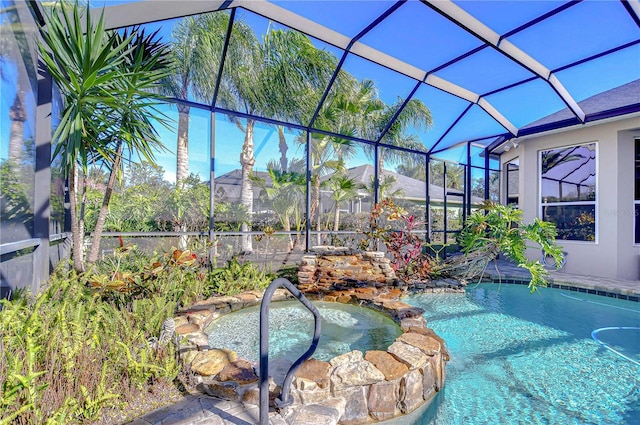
[{"x": 203, "y": 409}]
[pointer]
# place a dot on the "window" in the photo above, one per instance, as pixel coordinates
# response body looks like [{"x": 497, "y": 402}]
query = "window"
[
  {"x": 568, "y": 191},
  {"x": 636, "y": 202},
  {"x": 512, "y": 177}
]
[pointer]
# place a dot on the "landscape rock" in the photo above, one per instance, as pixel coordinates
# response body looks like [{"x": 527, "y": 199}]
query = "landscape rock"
[
  {"x": 411, "y": 391},
  {"x": 356, "y": 410},
  {"x": 382, "y": 400},
  {"x": 425, "y": 343},
  {"x": 240, "y": 371},
  {"x": 316, "y": 371},
  {"x": 412, "y": 356},
  {"x": 355, "y": 373},
  {"x": 211, "y": 362},
  {"x": 390, "y": 367}
]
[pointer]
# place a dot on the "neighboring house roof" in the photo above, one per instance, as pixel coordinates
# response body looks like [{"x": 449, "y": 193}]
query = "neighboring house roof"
[
  {"x": 611, "y": 100},
  {"x": 229, "y": 184},
  {"x": 412, "y": 189}
]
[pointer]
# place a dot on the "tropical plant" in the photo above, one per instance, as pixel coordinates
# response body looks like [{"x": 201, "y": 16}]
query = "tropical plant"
[
  {"x": 130, "y": 275},
  {"x": 284, "y": 192},
  {"x": 414, "y": 116},
  {"x": 237, "y": 277},
  {"x": 496, "y": 229},
  {"x": 395, "y": 228},
  {"x": 342, "y": 189},
  {"x": 296, "y": 76},
  {"x": 106, "y": 80},
  {"x": 70, "y": 354}
]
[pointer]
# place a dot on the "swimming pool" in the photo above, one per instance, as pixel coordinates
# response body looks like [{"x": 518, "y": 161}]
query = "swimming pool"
[{"x": 521, "y": 358}]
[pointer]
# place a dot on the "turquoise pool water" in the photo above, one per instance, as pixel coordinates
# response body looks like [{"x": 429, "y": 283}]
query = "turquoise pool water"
[{"x": 521, "y": 358}]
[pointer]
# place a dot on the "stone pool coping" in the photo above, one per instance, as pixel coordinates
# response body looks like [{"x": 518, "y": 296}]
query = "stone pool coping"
[{"x": 354, "y": 388}]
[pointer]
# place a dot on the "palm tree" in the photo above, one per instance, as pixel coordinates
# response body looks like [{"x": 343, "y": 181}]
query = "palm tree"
[
  {"x": 454, "y": 174},
  {"x": 106, "y": 80},
  {"x": 239, "y": 91},
  {"x": 284, "y": 194},
  {"x": 386, "y": 183},
  {"x": 414, "y": 115},
  {"x": 278, "y": 78},
  {"x": 300, "y": 72},
  {"x": 413, "y": 166},
  {"x": 14, "y": 47},
  {"x": 345, "y": 113},
  {"x": 342, "y": 189},
  {"x": 196, "y": 52}
]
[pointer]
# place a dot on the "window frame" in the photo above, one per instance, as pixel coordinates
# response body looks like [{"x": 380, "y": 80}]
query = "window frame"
[
  {"x": 515, "y": 162},
  {"x": 542, "y": 205},
  {"x": 636, "y": 192}
]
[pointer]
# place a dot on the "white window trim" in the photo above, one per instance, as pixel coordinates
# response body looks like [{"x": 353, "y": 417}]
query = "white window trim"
[
  {"x": 635, "y": 222},
  {"x": 635, "y": 201},
  {"x": 595, "y": 202}
]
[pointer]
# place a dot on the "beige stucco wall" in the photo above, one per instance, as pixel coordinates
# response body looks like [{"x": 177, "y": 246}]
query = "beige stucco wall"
[{"x": 613, "y": 254}]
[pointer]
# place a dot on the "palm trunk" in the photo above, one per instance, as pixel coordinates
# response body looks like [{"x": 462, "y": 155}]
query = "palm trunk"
[
  {"x": 104, "y": 209},
  {"x": 247, "y": 160},
  {"x": 286, "y": 226},
  {"x": 18, "y": 116},
  {"x": 76, "y": 234},
  {"x": 336, "y": 217},
  {"x": 83, "y": 205},
  {"x": 182, "y": 151},
  {"x": 316, "y": 185},
  {"x": 283, "y": 149}
]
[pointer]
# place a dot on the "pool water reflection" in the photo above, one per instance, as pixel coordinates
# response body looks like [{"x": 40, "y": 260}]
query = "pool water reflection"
[{"x": 528, "y": 358}]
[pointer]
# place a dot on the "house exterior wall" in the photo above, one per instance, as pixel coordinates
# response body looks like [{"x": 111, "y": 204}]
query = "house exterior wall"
[{"x": 613, "y": 254}]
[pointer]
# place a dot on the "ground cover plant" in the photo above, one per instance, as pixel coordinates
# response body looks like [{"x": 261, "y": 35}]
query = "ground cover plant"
[{"x": 85, "y": 350}]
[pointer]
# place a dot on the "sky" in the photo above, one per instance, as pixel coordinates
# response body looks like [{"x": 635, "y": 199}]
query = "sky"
[{"x": 419, "y": 36}]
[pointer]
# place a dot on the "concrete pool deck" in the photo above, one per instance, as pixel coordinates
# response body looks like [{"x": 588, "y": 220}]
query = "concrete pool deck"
[
  {"x": 508, "y": 272},
  {"x": 200, "y": 409}
]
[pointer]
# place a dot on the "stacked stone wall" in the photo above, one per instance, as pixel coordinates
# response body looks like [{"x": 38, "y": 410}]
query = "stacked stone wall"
[{"x": 327, "y": 267}]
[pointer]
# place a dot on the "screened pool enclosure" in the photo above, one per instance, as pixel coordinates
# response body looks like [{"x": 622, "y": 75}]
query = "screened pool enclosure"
[{"x": 289, "y": 120}]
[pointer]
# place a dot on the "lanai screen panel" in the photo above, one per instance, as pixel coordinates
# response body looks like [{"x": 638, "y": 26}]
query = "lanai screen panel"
[{"x": 510, "y": 62}]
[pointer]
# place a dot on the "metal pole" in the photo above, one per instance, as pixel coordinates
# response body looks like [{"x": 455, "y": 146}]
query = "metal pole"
[
  {"x": 212, "y": 187},
  {"x": 427, "y": 212},
  {"x": 42, "y": 181},
  {"x": 307, "y": 226},
  {"x": 263, "y": 378}
]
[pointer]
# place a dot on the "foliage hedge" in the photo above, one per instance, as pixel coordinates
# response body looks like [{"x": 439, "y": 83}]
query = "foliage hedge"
[{"x": 83, "y": 346}]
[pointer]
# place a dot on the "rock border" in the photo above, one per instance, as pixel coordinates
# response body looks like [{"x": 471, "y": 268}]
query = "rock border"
[{"x": 353, "y": 388}]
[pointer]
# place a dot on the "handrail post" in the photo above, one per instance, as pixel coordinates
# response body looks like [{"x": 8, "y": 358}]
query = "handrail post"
[{"x": 264, "y": 347}]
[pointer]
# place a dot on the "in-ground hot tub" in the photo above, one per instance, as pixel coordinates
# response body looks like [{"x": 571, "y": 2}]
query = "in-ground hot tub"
[
  {"x": 345, "y": 328},
  {"x": 364, "y": 385}
]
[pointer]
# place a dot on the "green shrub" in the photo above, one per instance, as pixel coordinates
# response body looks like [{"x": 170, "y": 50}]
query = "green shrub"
[
  {"x": 82, "y": 346},
  {"x": 130, "y": 274},
  {"x": 70, "y": 352},
  {"x": 238, "y": 277}
]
